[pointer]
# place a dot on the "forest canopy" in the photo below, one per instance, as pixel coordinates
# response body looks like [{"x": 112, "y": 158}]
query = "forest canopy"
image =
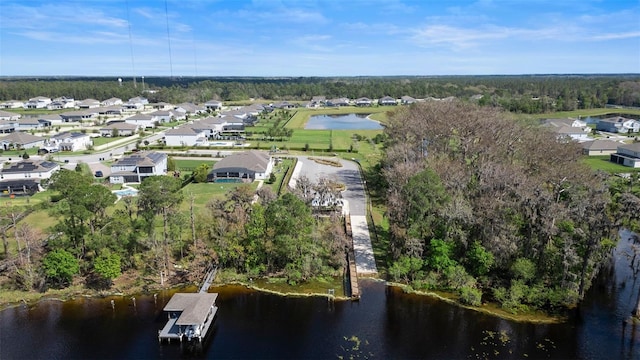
[
  {"x": 483, "y": 205},
  {"x": 524, "y": 93}
]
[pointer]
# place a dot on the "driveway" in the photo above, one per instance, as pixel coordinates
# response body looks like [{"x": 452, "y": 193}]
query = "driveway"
[{"x": 348, "y": 174}]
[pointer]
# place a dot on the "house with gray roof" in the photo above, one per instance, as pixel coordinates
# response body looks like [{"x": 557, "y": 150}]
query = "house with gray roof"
[
  {"x": 387, "y": 101},
  {"x": 79, "y": 116},
  {"x": 38, "y": 102},
  {"x": 88, "y": 104},
  {"x": 407, "y": 100},
  {"x": 142, "y": 120},
  {"x": 599, "y": 147},
  {"x": 187, "y": 135},
  {"x": 119, "y": 128},
  {"x": 627, "y": 155},
  {"x": 245, "y": 166},
  {"x": 21, "y": 140},
  {"x": 612, "y": 124},
  {"x": 364, "y": 101},
  {"x": 213, "y": 105},
  {"x": 8, "y": 115},
  {"x": 69, "y": 141},
  {"x": 31, "y": 124},
  {"x": 111, "y": 102},
  {"x": 11, "y": 104},
  {"x": 136, "y": 167},
  {"x": 24, "y": 177}
]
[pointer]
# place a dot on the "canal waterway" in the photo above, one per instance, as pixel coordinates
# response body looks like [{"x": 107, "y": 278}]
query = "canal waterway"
[
  {"x": 342, "y": 122},
  {"x": 385, "y": 324}
]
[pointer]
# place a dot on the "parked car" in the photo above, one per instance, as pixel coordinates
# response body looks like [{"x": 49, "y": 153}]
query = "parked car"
[{"x": 99, "y": 173}]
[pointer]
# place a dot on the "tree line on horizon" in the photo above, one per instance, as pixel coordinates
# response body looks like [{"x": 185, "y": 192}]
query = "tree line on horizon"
[{"x": 524, "y": 94}]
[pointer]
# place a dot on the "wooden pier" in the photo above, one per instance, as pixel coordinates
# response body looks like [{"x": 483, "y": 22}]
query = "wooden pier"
[
  {"x": 353, "y": 273},
  {"x": 208, "y": 279}
]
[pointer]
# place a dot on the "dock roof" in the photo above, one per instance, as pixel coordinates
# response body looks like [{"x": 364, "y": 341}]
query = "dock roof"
[{"x": 194, "y": 307}]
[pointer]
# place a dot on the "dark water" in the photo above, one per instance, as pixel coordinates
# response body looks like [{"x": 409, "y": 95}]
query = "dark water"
[
  {"x": 385, "y": 324},
  {"x": 342, "y": 122}
]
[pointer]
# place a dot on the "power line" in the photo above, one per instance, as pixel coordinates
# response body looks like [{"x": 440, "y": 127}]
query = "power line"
[
  {"x": 166, "y": 14},
  {"x": 133, "y": 64}
]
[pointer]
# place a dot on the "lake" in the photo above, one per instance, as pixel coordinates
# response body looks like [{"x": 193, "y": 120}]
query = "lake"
[
  {"x": 342, "y": 122},
  {"x": 386, "y": 323}
]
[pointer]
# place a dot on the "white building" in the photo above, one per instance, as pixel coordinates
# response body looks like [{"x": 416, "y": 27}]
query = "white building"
[
  {"x": 29, "y": 169},
  {"x": 9, "y": 116},
  {"x": 121, "y": 128},
  {"x": 112, "y": 101},
  {"x": 213, "y": 105},
  {"x": 245, "y": 166},
  {"x": 21, "y": 140},
  {"x": 136, "y": 167},
  {"x": 38, "y": 102},
  {"x": 69, "y": 141},
  {"x": 11, "y": 104},
  {"x": 185, "y": 136},
  {"x": 144, "y": 121}
]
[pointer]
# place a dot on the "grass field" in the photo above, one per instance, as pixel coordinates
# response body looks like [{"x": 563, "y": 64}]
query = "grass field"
[
  {"x": 101, "y": 140},
  {"x": 204, "y": 192},
  {"x": 603, "y": 163}
]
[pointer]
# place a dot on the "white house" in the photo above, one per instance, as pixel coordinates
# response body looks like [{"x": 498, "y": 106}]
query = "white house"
[
  {"x": 189, "y": 108},
  {"x": 8, "y": 116},
  {"x": 69, "y": 141},
  {"x": 120, "y": 128},
  {"x": 88, "y": 104},
  {"x": 573, "y": 133},
  {"x": 111, "y": 102},
  {"x": 142, "y": 120},
  {"x": 245, "y": 166},
  {"x": 31, "y": 124},
  {"x": 21, "y": 140},
  {"x": 186, "y": 135},
  {"x": 363, "y": 101},
  {"x": 387, "y": 101},
  {"x": 54, "y": 119},
  {"x": 139, "y": 100},
  {"x": 79, "y": 116},
  {"x": 213, "y": 105},
  {"x": 38, "y": 102},
  {"x": 631, "y": 125},
  {"x": 24, "y": 177},
  {"x": 11, "y": 104},
  {"x": 136, "y": 167},
  {"x": 164, "y": 116},
  {"x": 34, "y": 169},
  {"x": 627, "y": 155},
  {"x": 407, "y": 100}
]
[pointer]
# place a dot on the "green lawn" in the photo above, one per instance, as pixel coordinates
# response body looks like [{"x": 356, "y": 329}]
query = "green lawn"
[
  {"x": 97, "y": 141},
  {"x": 603, "y": 163},
  {"x": 192, "y": 163},
  {"x": 204, "y": 192}
]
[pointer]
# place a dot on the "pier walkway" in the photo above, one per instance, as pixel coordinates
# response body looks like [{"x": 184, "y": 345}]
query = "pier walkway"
[{"x": 208, "y": 279}]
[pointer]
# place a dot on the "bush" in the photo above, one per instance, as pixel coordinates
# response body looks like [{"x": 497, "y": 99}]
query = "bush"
[{"x": 471, "y": 296}]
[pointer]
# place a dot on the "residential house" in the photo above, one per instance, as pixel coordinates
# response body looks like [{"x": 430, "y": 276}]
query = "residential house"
[
  {"x": 62, "y": 103},
  {"x": 24, "y": 177},
  {"x": 571, "y": 122},
  {"x": 338, "y": 102},
  {"x": 7, "y": 127},
  {"x": 32, "y": 124},
  {"x": 111, "y": 102},
  {"x": 54, "y": 119},
  {"x": 144, "y": 121},
  {"x": 407, "y": 100},
  {"x": 88, "y": 104},
  {"x": 79, "y": 116},
  {"x": 364, "y": 101},
  {"x": 11, "y": 104},
  {"x": 284, "y": 105},
  {"x": 317, "y": 101},
  {"x": 139, "y": 100},
  {"x": 245, "y": 166},
  {"x": 572, "y": 133},
  {"x": 627, "y": 155},
  {"x": 213, "y": 105},
  {"x": 38, "y": 102},
  {"x": 21, "y": 140},
  {"x": 69, "y": 141},
  {"x": 387, "y": 101},
  {"x": 161, "y": 106},
  {"x": 612, "y": 124},
  {"x": 599, "y": 147},
  {"x": 118, "y": 128},
  {"x": 136, "y": 167},
  {"x": 9, "y": 116},
  {"x": 29, "y": 168},
  {"x": 631, "y": 126},
  {"x": 113, "y": 110},
  {"x": 132, "y": 107},
  {"x": 190, "y": 109},
  {"x": 187, "y": 135},
  {"x": 164, "y": 116}
]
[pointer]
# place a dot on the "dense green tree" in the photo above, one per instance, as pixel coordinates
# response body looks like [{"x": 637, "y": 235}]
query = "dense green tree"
[
  {"x": 59, "y": 267},
  {"x": 200, "y": 173},
  {"x": 107, "y": 266}
]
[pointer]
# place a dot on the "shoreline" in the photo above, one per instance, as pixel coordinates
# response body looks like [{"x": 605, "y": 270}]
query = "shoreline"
[{"x": 63, "y": 296}]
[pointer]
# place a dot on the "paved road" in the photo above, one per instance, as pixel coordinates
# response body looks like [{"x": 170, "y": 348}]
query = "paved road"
[{"x": 348, "y": 174}]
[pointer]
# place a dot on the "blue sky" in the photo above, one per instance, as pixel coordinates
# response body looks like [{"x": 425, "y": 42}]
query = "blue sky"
[{"x": 318, "y": 37}]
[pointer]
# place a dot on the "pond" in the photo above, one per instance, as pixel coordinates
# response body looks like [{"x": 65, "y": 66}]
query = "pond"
[
  {"x": 342, "y": 122},
  {"x": 385, "y": 324}
]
